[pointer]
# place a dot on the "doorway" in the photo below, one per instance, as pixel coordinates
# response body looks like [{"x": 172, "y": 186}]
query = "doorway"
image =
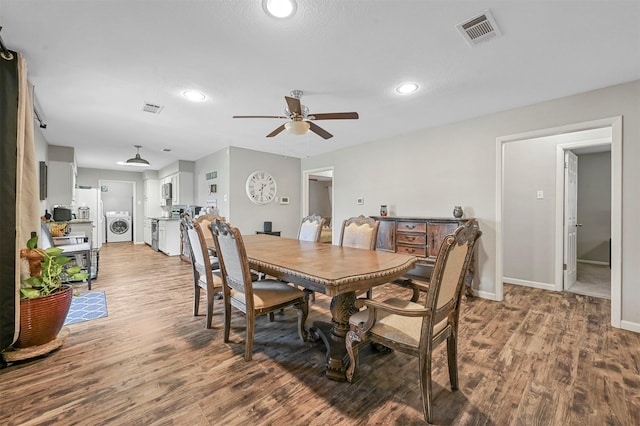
[
  {"x": 557, "y": 236},
  {"x": 119, "y": 198},
  {"x": 317, "y": 187},
  {"x": 587, "y": 194}
]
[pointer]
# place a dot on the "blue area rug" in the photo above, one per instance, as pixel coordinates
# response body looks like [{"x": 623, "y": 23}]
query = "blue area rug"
[{"x": 87, "y": 307}]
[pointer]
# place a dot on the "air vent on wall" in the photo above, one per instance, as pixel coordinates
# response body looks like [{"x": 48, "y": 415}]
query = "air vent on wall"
[
  {"x": 152, "y": 108},
  {"x": 479, "y": 28}
]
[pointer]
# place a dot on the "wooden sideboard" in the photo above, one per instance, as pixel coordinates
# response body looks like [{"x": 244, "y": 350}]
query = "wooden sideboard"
[{"x": 422, "y": 237}]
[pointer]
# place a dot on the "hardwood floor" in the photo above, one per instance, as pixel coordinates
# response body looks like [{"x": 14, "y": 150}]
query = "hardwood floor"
[{"x": 539, "y": 357}]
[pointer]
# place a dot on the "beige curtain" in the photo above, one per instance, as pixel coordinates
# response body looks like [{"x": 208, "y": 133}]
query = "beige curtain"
[{"x": 27, "y": 186}]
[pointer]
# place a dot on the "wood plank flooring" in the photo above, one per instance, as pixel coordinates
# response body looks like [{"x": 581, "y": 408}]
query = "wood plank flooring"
[{"x": 539, "y": 357}]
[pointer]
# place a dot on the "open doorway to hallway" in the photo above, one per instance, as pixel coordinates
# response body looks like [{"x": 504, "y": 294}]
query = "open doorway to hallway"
[
  {"x": 593, "y": 221},
  {"x": 318, "y": 197},
  {"x": 529, "y": 234}
]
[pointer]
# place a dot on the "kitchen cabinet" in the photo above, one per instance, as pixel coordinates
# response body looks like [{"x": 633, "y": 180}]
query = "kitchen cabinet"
[
  {"x": 147, "y": 230},
  {"x": 181, "y": 188},
  {"x": 61, "y": 183},
  {"x": 169, "y": 237}
]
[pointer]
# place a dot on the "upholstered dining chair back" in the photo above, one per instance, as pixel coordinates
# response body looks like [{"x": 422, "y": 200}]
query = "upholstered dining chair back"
[
  {"x": 359, "y": 232},
  {"x": 202, "y": 267},
  {"x": 252, "y": 298},
  {"x": 310, "y": 228}
]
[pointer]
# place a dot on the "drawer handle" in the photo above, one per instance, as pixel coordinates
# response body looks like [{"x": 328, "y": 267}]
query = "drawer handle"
[
  {"x": 411, "y": 238},
  {"x": 410, "y": 226},
  {"x": 411, "y": 250}
]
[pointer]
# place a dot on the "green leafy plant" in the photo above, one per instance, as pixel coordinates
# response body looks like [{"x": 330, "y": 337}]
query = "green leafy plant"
[{"x": 47, "y": 270}]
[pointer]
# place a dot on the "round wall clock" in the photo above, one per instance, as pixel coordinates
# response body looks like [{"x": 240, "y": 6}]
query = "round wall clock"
[{"x": 261, "y": 187}]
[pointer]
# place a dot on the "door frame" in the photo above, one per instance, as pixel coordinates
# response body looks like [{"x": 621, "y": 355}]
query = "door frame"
[
  {"x": 560, "y": 193},
  {"x": 134, "y": 211},
  {"x": 305, "y": 190},
  {"x": 616, "y": 207}
]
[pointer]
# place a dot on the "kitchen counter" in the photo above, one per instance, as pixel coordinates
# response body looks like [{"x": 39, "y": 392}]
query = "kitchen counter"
[{"x": 80, "y": 221}]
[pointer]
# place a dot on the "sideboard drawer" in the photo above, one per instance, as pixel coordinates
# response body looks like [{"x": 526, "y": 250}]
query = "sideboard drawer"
[
  {"x": 413, "y": 250},
  {"x": 420, "y": 239},
  {"x": 412, "y": 227}
]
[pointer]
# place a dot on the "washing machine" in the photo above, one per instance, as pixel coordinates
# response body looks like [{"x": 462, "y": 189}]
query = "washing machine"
[{"x": 118, "y": 226}]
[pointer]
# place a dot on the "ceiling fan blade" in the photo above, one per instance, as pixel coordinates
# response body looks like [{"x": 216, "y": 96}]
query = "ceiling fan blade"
[
  {"x": 276, "y": 131},
  {"x": 261, "y": 116},
  {"x": 294, "y": 105},
  {"x": 335, "y": 116},
  {"x": 319, "y": 130}
]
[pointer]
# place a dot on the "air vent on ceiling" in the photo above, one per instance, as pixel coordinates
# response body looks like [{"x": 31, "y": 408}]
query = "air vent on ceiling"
[
  {"x": 479, "y": 28},
  {"x": 152, "y": 108}
]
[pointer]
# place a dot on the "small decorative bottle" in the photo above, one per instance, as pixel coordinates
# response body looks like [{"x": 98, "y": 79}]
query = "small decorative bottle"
[
  {"x": 383, "y": 210},
  {"x": 457, "y": 212}
]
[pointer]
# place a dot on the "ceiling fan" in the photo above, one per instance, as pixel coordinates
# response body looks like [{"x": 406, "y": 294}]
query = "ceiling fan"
[{"x": 301, "y": 120}]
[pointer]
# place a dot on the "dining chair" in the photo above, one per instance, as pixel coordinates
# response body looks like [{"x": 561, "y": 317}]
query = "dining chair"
[
  {"x": 310, "y": 228},
  {"x": 360, "y": 232},
  {"x": 202, "y": 268},
  {"x": 81, "y": 252},
  {"x": 205, "y": 224},
  {"x": 253, "y": 298},
  {"x": 417, "y": 329}
]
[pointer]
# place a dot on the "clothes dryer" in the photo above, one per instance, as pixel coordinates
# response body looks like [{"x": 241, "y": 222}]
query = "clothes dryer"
[{"x": 118, "y": 226}]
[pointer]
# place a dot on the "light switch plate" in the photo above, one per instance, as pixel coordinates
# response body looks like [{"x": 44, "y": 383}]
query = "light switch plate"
[
  {"x": 540, "y": 194},
  {"x": 360, "y": 200}
]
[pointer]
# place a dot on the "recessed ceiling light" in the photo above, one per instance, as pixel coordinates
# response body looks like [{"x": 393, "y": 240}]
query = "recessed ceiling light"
[
  {"x": 279, "y": 8},
  {"x": 406, "y": 88},
  {"x": 194, "y": 95}
]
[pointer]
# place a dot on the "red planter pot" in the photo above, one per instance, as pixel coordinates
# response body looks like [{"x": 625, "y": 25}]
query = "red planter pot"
[{"x": 41, "y": 319}]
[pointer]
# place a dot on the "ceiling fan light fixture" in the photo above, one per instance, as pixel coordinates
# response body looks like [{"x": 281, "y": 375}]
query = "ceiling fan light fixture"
[
  {"x": 407, "y": 88},
  {"x": 297, "y": 127},
  {"x": 137, "y": 160},
  {"x": 279, "y": 8}
]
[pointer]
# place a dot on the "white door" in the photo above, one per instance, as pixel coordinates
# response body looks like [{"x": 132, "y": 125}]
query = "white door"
[{"x": 570, "y": 217}]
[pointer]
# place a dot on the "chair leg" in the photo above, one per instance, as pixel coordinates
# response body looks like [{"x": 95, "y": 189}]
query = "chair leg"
[
  {"x": 272, "y": 318},
  {"x": 248, "y": 351},
  {"x": 196, "y": 300},
  {"x": 303, "y": 313},
  {"x": 210, "y": 300},
  {"x": 425, "y": 384},
  {"x": 452, "y": 358},
  {"x": 227, "y": 319},
  {"x": 351, "y": 341}
]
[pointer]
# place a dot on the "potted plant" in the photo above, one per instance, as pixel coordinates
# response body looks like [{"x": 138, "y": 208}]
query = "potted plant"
[{"x": 45, "y": 297}]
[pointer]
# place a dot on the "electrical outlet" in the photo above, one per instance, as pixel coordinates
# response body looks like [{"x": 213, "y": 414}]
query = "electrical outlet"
[{"x": 540, "y": 194}]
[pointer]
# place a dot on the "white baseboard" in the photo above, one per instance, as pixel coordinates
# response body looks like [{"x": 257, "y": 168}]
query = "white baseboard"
[
  {"x": 485, "y": 295},
  {"x": 630, "y": 326},
  {"x": 534, "y": 284},
  {"x": 593, "y": 262}
]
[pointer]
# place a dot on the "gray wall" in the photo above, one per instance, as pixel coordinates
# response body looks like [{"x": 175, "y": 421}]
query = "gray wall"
[
  {"x": 249, "y": 217},
  {"x": 594, "y": 206},
  {"x": 428, "y": 172},
  {"x": 216, "y": 162},
  {"x": 319, "y": 198},
  {"x": 233, "y": 166}
]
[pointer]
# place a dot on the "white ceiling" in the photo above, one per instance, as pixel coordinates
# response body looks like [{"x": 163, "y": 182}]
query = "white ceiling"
[{"x": 94, "y": 63}]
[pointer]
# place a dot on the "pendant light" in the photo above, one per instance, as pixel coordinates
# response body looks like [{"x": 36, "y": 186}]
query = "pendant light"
[{"x": 137, "y": 160}]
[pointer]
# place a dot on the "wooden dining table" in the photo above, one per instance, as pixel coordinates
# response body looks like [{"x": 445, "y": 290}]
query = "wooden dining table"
[{"x": 336, "y": 271}]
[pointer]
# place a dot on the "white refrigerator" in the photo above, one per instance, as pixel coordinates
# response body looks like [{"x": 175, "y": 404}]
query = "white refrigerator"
[{"x": 90, "y": 197}]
